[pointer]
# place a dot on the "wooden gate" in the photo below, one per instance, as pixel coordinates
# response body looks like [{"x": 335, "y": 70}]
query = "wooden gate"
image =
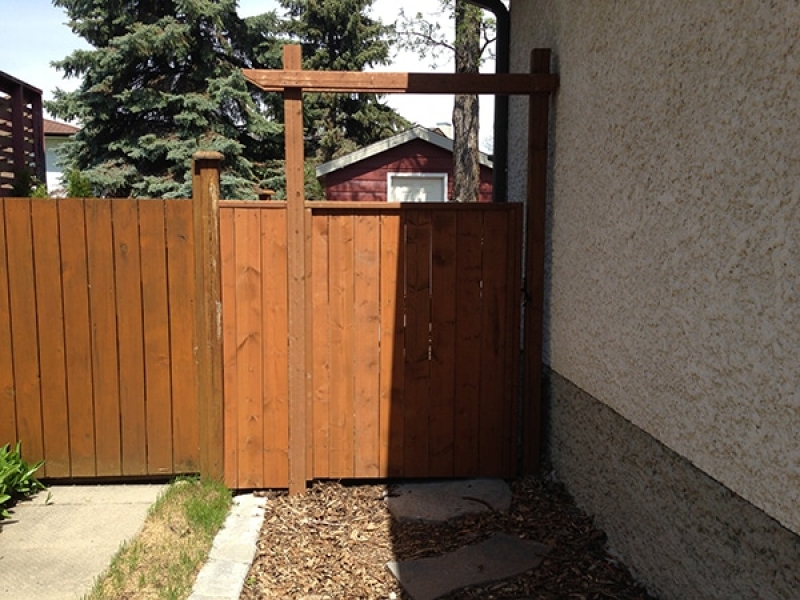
[
  {"x": 413, "y": 321},
  {"x": 364, "y": 340}
]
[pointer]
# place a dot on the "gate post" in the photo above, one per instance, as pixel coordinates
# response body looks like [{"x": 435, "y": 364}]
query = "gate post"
[
  {"x": 535, "y": 209},
  {"x": 208, "y": 311}
]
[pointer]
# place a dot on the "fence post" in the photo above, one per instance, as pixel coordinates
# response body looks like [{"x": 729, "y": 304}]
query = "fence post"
[
  {"x": 298, "y": 375},
  {"x": 208, "y": 311},
  {"x": 536, "y": 202}
]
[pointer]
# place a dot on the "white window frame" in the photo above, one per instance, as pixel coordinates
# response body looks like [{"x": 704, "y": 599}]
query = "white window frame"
[{"x": 391, "y": 177}]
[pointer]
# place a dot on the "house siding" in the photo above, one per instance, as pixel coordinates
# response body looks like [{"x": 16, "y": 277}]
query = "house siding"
[
  {"x": 366, "y": 180},
  {"x": 673, "y": 260}
]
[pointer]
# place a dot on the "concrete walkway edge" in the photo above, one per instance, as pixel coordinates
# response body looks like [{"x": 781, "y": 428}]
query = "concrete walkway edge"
[{"x": 223, "y": 575}]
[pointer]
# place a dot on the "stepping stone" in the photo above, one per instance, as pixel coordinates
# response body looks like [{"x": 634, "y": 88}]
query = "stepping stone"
[
  {"x": 500, "y": 557},
  {"x": 438, "y": 501}
]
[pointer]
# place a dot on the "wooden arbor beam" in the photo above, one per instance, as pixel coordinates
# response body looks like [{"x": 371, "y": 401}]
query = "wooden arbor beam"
[{"x": 403, "y": 83}]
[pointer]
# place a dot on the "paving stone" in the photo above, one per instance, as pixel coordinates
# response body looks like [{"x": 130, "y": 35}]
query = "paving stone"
[
  {"x": 500, "y": 557},
  {"x": 438, "y": 501},
  {"x": 223, "y": 575}
]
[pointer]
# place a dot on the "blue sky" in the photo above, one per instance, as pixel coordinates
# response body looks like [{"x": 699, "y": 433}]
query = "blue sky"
[{"x": 33, "y": 34}]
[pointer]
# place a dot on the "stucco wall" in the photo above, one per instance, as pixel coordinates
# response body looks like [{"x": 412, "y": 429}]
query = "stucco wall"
[{"x": 674, "y": 267}]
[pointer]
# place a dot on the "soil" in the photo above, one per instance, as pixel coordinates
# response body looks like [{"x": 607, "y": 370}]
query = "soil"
[{"x": 334, "y": 542}]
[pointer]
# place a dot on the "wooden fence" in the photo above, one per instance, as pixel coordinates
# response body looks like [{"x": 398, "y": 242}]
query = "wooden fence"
[
  {"x": 97, "y": 372},
  {"x": 273, "y": 343},
  {"x": 413, "y": 336}
]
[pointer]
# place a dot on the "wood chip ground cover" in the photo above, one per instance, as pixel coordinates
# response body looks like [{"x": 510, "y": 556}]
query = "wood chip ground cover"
[{"x": 334, "y": 542}]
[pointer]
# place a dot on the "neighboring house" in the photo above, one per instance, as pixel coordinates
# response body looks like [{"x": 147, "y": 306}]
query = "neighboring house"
[
  {"x": 21, "y": 136},
  {"x": 672, "y": 311},
  {"x": 55, "y": 134},
  {"x": 414, "y": 166}
]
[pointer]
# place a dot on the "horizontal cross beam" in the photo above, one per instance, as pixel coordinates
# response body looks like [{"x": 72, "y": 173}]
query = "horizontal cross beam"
[{"x": 503, "y": 84}]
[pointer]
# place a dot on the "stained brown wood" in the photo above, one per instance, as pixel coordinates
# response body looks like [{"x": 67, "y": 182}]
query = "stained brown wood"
[
  {"x": 391, "y": 347},
  {"x": 105, "y": 363},
  {"x": 181, "y": 290},
  {"x": 411, "y": 312},
  {"x": 341, "y": 317},
  {"x": 400, "y": 83},
  {"x": 417, "y": 367},
  {"x": 536, "y": 201},
  {"x": 249, "y": 354},
  {"x": 23, "y": 328},
  {"x": 228, "y": 271},
  {"x": 49, "y": 309},
  {"x": 293, "y": 115},
  {"x": 77, "y": 337},
  {"x": 494, "y": 337},
  {"x": 320, "y": 346},
  {"x": 127, "y": 271},
  {"x": 468, "y": 349},
  {"x": 366, "y": 347},
  {"x": 207, "y": 319},
  {"x": 155, "y": 323},
  {"x": 8, "y": 412},
  {"x": 274, "y": 328},
  {"x": 443, "y": 343}
]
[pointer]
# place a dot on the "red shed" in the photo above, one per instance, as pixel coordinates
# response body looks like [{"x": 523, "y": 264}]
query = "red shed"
[{"x": 414, "y": 166}]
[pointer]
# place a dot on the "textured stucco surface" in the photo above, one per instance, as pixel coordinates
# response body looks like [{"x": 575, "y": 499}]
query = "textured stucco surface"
[
  {"x": 702, "y": 540},
  {"x": 673, "y": 291}
]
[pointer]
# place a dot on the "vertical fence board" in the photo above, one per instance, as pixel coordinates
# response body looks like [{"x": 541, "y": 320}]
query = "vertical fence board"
[
  {"x": 417, "y": 364},
  {"x": 128, "y": 277},
  {"x": 8, "y": 412},
  {"x": 366, "y": 296},
  {"x": 105, "y": 365},
  {"x": 468, "y": 342},
  {"x": 227, "y": 241},
  {"x": 443, "y": 351},
  {"x": 391, "y": 347},
  {"x": 77, "y": 337},
  {"x": 320, "y": 348},
  {"x": 341, "y": 339},
  {"x": 249, "y": 349},
  {"x": 181, "y": 291},
  {"x": 398, "y": 382},
  {"x": 50, "y": 311},
  {"x": 493, "y": 338},
  {"x": 276, "y": 356},
  {"x": 155, "y": 323},
  {"x": 23, "y": 328}
]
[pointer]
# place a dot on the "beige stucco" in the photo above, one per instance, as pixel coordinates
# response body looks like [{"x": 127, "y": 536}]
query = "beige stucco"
[{"x": 674, "y": 268}]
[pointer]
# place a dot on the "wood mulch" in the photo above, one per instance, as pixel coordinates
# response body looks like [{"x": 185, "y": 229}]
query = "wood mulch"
[{"x": 334, "y": 542}]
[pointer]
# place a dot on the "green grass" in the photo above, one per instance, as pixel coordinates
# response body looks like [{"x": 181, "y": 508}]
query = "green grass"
[{"x": 163, "y": 560}]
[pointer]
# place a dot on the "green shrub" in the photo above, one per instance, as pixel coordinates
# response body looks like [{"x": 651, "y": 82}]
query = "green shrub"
[
  {"x": 16, "y": 477},
  {"x": 77, "y": 185}
]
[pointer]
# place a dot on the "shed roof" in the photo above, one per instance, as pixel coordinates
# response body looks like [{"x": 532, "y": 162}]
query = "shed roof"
[
  {"x": 58, "y": 129},
  {"x": 415, "y": 133}
]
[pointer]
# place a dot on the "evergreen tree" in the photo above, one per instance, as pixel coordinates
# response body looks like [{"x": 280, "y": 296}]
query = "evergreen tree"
[
  {"x": 162, "y": 82},
  {"x": 339, "y": 35}
]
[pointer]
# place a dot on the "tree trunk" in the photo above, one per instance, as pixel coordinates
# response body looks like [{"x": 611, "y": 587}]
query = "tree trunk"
[{"x": 466, "y": 165}]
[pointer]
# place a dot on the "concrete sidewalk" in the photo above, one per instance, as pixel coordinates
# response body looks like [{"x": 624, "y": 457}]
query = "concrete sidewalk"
[{"x": 54, "y": 549}]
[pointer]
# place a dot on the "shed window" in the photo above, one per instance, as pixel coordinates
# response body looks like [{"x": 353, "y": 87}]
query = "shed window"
[{"x": 417, "y": 187}]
